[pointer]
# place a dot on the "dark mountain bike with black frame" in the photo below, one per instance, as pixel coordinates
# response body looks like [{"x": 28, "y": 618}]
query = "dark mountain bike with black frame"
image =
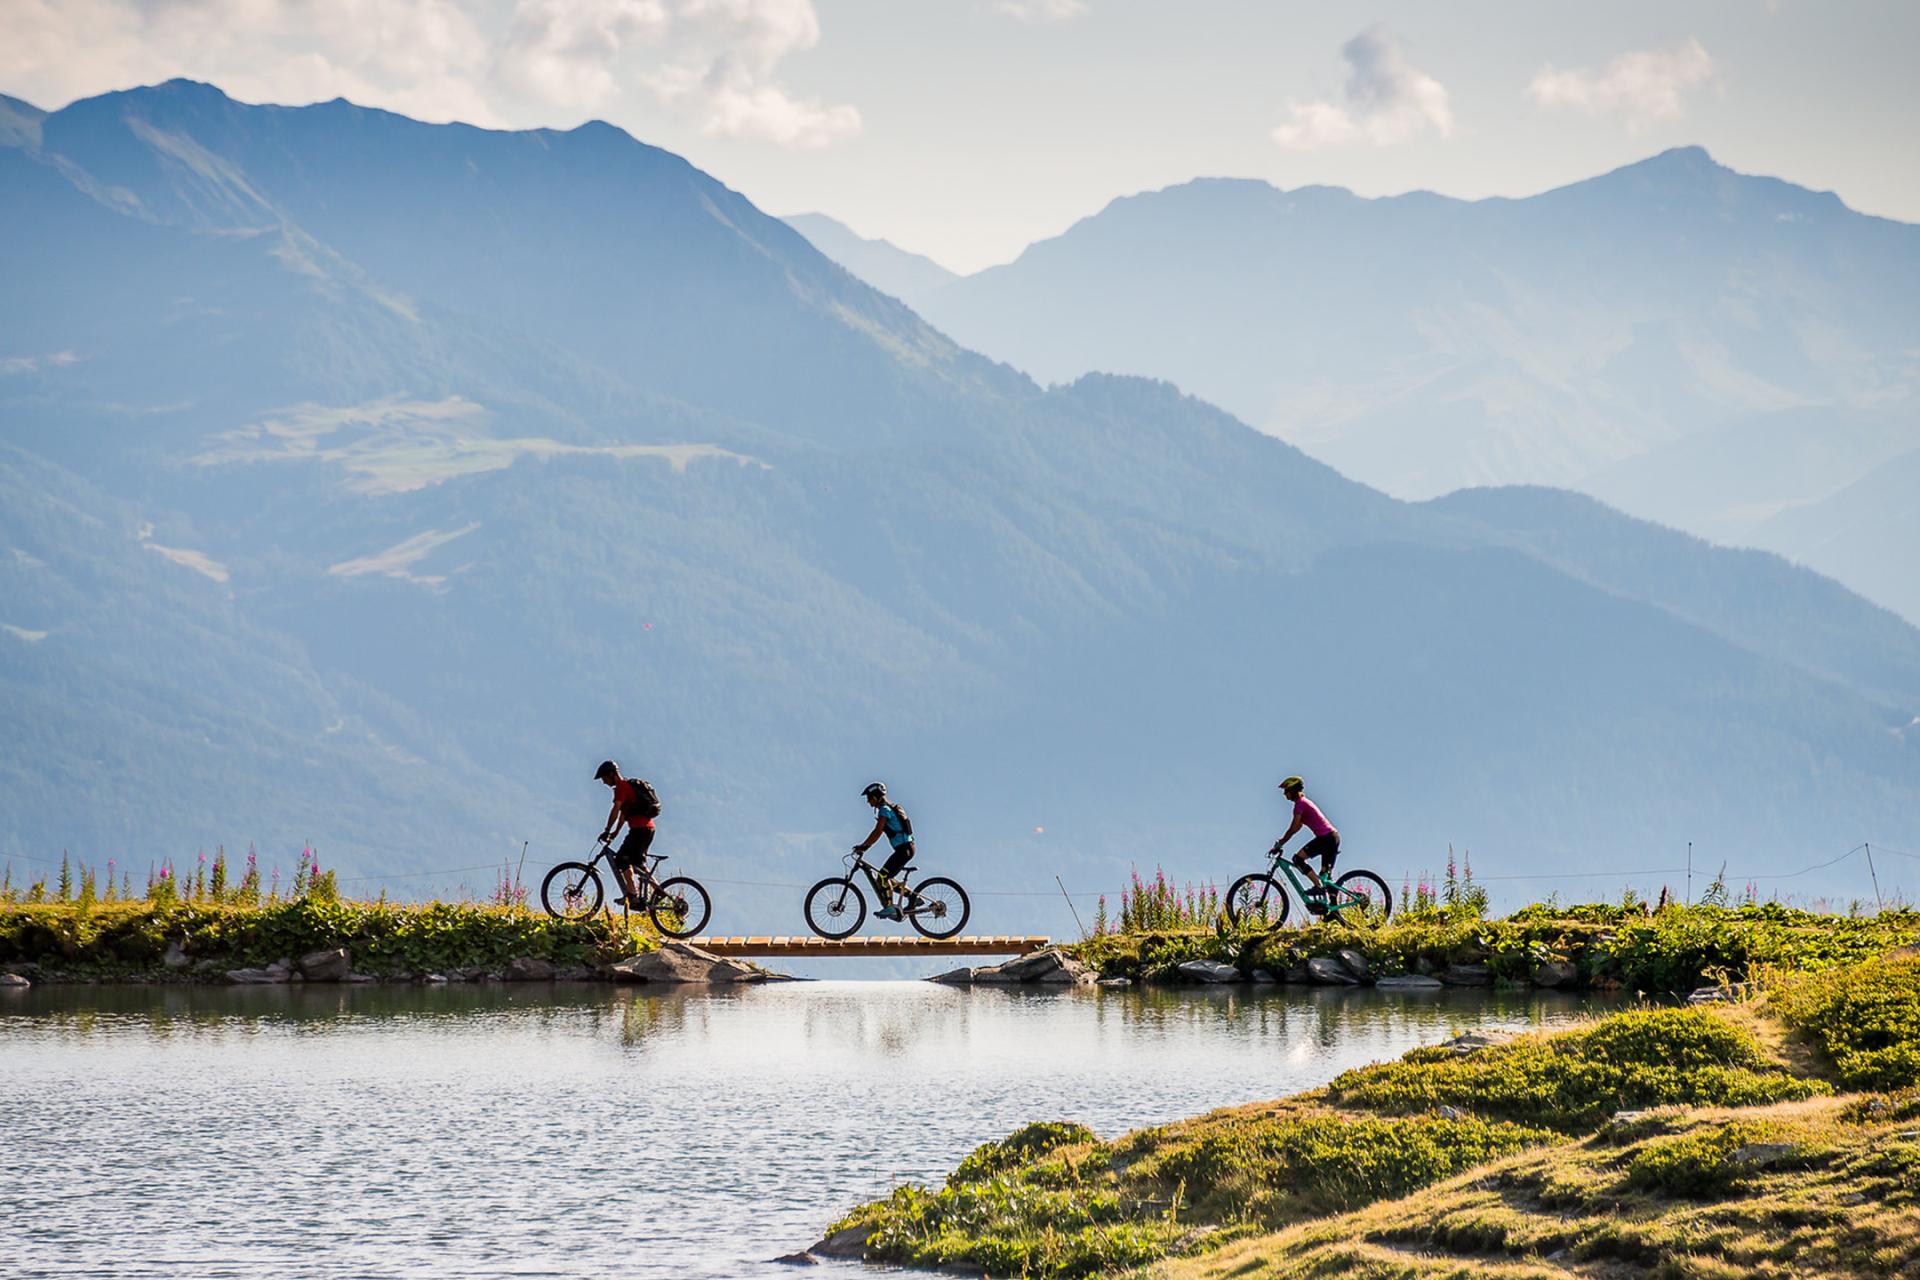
[
  {"x": 936, "y": 907},
  {"x": 678, "y": 905},
  {"x": 1358, "y": 897}
]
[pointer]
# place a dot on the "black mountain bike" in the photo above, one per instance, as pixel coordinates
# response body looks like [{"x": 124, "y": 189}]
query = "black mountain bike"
[
  {"x": 936, "y": 907},
  {"x": 1356, "y": 897},
  {"x": 678, "y": 906}
]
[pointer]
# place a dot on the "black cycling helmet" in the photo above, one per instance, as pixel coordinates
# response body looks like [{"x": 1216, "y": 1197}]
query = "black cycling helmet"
[
  {"x": 607, "y": 771},
  {"x": 873, "y": 789}
]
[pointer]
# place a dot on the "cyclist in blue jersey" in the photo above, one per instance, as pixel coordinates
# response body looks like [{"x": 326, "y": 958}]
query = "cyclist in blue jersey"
[{"x": 891, "y": 821}]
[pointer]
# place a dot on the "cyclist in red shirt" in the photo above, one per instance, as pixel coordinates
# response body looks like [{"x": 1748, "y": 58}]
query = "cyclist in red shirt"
[{"x": 636, "y": 804}]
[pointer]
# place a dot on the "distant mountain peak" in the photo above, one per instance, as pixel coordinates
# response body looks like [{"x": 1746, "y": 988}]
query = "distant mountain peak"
[{"x": 19, "y": 122}]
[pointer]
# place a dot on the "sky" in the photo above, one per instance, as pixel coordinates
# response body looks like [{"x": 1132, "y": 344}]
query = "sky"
[{"x": 966, "y": 129}]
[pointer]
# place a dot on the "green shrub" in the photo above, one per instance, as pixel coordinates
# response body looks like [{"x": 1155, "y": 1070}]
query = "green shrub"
[
  {"x": 1574, "y": 1081},
  {"x": 1866, "y": 1019},
  {"x": 1698, "y": 1165}
]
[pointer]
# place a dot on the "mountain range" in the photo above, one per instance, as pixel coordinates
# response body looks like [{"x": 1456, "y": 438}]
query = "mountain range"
[
  {"x": 366, "y": 481},
  {"x": 1732, "y": 355}
]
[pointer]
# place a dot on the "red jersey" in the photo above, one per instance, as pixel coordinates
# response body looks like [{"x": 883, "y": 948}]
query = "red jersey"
[{"x": 624, "y": 794}]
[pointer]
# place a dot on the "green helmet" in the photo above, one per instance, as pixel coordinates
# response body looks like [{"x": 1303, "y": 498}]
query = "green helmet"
[{"x": 1289, "y": 784}]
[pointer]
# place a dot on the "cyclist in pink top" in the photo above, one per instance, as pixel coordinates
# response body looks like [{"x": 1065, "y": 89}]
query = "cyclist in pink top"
[{"x": 1325, "y": 844}]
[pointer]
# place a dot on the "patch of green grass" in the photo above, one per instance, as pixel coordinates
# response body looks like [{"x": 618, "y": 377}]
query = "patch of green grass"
[{"x": 1575, "y": 1081}]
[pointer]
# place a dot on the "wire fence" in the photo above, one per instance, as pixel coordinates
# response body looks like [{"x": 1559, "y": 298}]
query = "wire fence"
[{"x": 1628, "y": 876}]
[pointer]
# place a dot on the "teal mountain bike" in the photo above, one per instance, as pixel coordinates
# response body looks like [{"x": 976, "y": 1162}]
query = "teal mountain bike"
[{"x": 1259, "y": 899}]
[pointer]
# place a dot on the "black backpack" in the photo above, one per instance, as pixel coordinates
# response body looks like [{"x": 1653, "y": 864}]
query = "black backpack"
[
  {"x": 644, "y": 803},
  {"x": 900, "y": 814}
]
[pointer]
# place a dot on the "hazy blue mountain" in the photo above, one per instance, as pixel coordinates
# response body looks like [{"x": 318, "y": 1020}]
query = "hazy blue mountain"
[
  {"x": 885, "y": 266},
  {"x": 1866, "y": 534},
  {"x": 367, "y": 481},
  {"x": 1687, "y": 342}
]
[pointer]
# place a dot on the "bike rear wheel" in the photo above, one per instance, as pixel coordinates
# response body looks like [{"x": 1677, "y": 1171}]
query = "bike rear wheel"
[
  {"x": 835, "y": 908},
  {"x": 572, "y": 891},
  {"x": 1371, "y": 902},
  {"x": 1257, "y": 901},
  {"x": 680, "y": 907},
  {"x": 938, "y": 907}
]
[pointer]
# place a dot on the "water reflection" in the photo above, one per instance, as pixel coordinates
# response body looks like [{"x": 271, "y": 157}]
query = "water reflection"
[{"x": 519, "y": 1130}]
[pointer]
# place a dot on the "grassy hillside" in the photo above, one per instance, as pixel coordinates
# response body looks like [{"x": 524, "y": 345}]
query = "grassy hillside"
[{"x": 1713, "y": 1141}]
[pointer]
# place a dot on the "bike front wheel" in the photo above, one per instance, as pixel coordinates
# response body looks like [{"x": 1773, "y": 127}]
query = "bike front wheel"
[
  {"x": 939, "y": 908},
  {"x": 835, "y": 908},
  {"x": 1364, "y": 897},
  {"x": 572, "y": 891},
  {"x": 1258, "y": 901},
  {"x": 680, "y": 907}
]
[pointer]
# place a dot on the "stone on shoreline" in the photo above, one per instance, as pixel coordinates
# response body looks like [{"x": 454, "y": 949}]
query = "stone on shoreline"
[
  {"x": 1355, "y": 963},
  {"x": 175, "y": 956},
  {"x": 1553, "y": 973},
  {"x": 1474, "y": 1041},
  {"x": 961, "y": 977},
  {"x": 278, "y": 972},
  {"x": 528, "y": 969},
  {"x": 1207, "y": 971},
  {"x": 681, "y": 962},
  {"x": 1467, "y": 975},
  {"x": 1330, "y": 972},
  {"x": 15, "y": 981},
  {"x": 848, "y": 1242},
  {"x": 329, "y": 964},
  {"x": 1049, "y": 967}
]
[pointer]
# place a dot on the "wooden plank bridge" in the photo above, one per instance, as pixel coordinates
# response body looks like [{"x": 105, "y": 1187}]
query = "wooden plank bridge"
[{"x": 971, "y": 945}]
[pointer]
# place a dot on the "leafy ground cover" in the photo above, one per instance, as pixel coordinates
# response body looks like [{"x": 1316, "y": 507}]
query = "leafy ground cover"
[
  {"x": 132, "y": 939},
  {"x": 1671, "y": 950},
  {"x": 1686, "y": 1142}
]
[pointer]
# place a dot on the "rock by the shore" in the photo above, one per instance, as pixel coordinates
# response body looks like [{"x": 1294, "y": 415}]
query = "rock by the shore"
[
  {"x": 1330, "y": 972},
  {"x": 278, "y": 972},
  {"x": 1467, "y": 975},
  {"x": 330, "y": 964},
  {"x": 801, "y": 1259},
  {"x": 961, "y": 977},
  {"x": 1355, "y": 963},
  {"x": 1115, "y": 982},
  {"x": 1207, "y": 971},
  {"x": 175, "y": 956},
  {"x": 848, "y": 1242},
  {"x": 15, "y": 981},
  {"x": 682, "y": 962},
  {"x": 1554, "y": 973},
  {"x": 1474, "y": 1041},
  {"x": 1050, "y": 966},
  {"x": 1262, "y": 975},
  {"x": 1408, "y": 982},
  {"x": 528, "y": 969}
]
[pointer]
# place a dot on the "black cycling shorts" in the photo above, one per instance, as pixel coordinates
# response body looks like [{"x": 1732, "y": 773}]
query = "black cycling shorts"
[
  {"x": 1326, "y": 847},
  {"x": 898, "y": 859},
  {"x": 634, "y": 847}
]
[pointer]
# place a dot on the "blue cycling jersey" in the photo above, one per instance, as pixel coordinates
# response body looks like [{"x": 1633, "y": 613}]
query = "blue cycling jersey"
[{"x": 897, "y": 833}]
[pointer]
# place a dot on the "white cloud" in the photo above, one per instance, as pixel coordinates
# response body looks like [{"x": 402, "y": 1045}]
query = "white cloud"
[
  {"x": 1387, "y": 100},
  {"x": 1041, "y": 10},
  {"x": 33, "y": 364},
  {"x": 1644, "y": 86},
  {"x": 480, "y": 61}
]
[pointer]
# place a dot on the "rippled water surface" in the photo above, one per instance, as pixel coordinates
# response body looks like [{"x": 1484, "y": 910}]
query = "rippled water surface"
[{"x": 591, "y": 1131}]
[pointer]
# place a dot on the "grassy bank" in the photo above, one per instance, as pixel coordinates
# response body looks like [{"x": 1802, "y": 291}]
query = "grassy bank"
[
  {"x": 1712, "y": 1141},
  {"x": 1672, "y": 950},
  {"x": 202, "y": 941}
]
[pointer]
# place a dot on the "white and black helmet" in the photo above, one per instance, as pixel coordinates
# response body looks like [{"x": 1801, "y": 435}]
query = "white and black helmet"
[{"x": 873, "y": 789}]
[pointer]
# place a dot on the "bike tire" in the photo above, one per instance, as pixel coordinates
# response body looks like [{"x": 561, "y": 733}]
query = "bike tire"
[
  {"x": 572, "y": 891},
  {"x": 940, "y": 908},
  {"x": 1257, "y": 899},
  {"x": 680, "y": 907},
  {"x": 835, "y": 915},
  {"x": 1379, "y": 906}
]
